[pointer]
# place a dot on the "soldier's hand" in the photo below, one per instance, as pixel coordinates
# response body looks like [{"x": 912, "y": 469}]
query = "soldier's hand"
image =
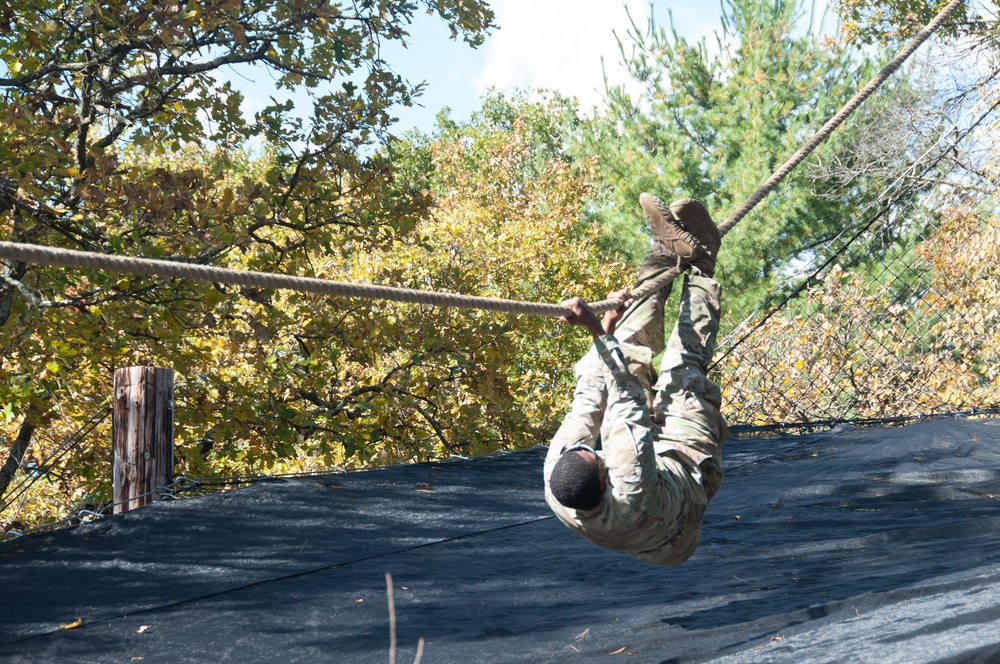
[
  {"x": 612, "y": 317},
  {"x": 581, "y": 314}
]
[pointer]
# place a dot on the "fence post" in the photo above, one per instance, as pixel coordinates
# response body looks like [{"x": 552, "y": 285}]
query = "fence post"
[{"x": 142, "y": 433}]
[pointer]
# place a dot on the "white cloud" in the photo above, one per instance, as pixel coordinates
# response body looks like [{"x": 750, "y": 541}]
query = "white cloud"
[
  {"x": 559, "y": 44},
  {"x": 555, "y": 44}
]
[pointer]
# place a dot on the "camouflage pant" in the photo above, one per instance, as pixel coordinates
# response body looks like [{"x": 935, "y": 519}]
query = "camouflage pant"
[{"x": 684, "y": 405}]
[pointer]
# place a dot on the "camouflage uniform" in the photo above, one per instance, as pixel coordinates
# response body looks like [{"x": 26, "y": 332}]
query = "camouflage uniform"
[{"x": 661, "y": 443}]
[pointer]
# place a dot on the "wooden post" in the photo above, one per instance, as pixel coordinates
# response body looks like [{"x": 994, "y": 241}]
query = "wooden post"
[{"x": 142, "y": 432}]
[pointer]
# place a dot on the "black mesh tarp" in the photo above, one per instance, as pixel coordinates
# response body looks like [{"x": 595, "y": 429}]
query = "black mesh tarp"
[{"x": 860, "y": 545}]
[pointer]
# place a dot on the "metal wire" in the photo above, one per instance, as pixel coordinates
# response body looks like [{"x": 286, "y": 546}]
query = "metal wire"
[
  {"x": 45, "y": 465},
  {"x": 886, "y": 340},
  {"x": 769, "y": 308}
]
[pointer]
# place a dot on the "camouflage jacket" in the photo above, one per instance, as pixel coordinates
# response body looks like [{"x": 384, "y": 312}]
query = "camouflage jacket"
[{"x": 662, "y": 470}]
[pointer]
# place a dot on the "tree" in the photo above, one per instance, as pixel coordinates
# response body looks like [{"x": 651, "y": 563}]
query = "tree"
[
  {"x": 119, "y": 133},
  {"x": 882, "y": 21},
  {"x": 715, "y": 124},
  {"x": 281, "y": 381},
  {"x": 506, "y": 222}
]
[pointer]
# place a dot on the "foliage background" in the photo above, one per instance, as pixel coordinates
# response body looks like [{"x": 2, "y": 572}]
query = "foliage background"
[{"x": 530, "y": 199}]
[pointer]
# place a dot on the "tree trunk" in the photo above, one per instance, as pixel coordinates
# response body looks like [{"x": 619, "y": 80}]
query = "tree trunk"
[{"x": 15, "y": 456}]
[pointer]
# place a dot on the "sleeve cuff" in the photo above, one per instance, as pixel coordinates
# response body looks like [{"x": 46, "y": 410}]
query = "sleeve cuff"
[
  {"x": 610, "y": 352},
  {"x": 606, "y": 344}
]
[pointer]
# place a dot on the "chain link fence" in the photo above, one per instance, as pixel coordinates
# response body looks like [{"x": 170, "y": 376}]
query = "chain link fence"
[{"x": 896, "y": 319}]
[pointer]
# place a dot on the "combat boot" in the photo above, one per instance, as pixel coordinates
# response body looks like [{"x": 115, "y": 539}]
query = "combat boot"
[
  {"x": 696, "y": 220},
  {"x": 671, "y": 240}
]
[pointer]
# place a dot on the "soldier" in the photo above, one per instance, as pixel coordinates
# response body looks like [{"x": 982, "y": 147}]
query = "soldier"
[{"x": 646, "y": 490}]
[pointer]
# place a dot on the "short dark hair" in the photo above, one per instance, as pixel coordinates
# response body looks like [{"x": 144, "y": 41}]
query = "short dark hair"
[{"x": 576, "y": 481}]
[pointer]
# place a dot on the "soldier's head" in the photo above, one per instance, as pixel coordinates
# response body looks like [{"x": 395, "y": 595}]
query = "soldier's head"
[{"x": 578, "y": 479}]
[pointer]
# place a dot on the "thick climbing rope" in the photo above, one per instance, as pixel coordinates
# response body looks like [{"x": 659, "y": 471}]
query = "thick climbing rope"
[
  {"x": 30, "y": 253},
  {"x": 164, "y": 268}
]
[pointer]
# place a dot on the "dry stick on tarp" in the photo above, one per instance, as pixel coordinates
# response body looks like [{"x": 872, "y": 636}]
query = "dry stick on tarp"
[
  {"x": 143, "y": 266},
  {"x": 392, "y": 625}
]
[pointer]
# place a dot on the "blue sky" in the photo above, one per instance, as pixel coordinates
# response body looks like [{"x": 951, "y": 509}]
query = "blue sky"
[{"x": 554, "y": 44}]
